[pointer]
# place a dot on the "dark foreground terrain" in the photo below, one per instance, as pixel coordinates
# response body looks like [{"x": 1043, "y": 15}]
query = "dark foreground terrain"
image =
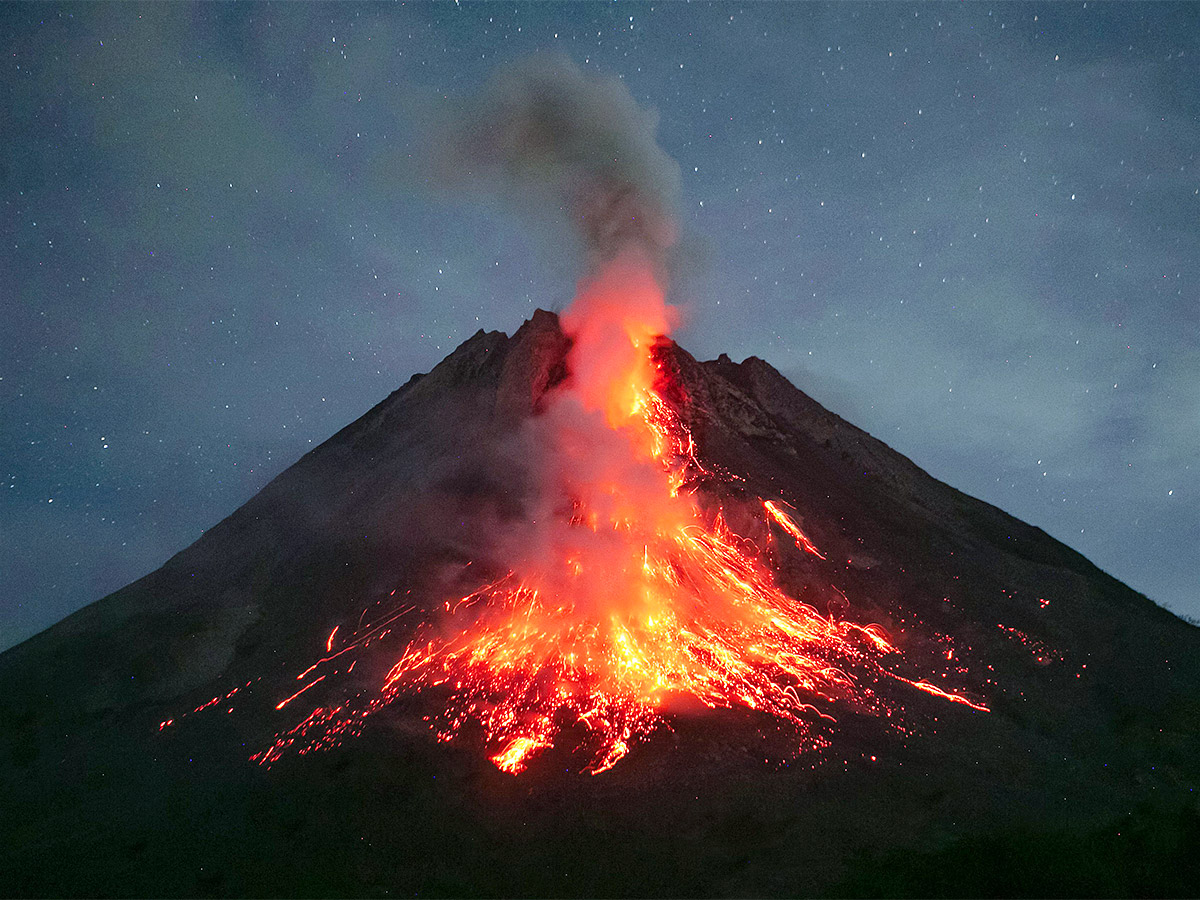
[{"x": 1081, "y": 780}]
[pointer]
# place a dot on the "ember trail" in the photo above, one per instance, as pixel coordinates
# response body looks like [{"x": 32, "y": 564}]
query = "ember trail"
[{"x": 623, "y": 595}]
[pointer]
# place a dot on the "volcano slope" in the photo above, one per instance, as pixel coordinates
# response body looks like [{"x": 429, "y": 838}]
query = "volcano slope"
[{"x": 1079, "y": 780}]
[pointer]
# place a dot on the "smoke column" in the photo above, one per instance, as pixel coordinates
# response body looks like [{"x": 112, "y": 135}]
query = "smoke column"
[{"x": 566, "y": 141}]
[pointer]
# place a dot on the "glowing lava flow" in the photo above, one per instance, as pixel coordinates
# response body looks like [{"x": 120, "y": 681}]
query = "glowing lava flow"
[{"x": 622, "y": 598}]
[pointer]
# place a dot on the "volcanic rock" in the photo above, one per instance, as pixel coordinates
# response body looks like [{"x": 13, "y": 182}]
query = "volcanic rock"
[{"x": 1080, "y": 780}]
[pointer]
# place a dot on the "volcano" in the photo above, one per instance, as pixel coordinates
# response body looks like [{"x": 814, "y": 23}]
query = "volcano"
[{"x": 938, "y": 700}]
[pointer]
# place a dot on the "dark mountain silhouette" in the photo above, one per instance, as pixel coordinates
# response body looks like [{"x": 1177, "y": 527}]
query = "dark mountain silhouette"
[{"x": 1081, "y": 780}]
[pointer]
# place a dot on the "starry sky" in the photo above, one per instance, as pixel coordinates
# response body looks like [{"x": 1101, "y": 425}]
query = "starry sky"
[{"x": 972, "y": 230}]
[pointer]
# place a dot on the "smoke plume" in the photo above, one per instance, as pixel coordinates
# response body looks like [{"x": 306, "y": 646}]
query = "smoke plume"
[
  {"x": 558, "y": 140},
  {"x": 563, "y": 139}
]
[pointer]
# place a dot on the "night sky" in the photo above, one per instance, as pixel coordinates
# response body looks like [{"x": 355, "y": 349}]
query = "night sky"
[{"x": 972, "y": 230}]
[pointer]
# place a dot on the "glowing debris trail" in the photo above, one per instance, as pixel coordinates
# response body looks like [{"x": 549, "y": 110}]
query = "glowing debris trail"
[
  {"x": 939, "y": 692},
  {"x": 782, "y": 519},
  {"x": 282, "y": 703}
]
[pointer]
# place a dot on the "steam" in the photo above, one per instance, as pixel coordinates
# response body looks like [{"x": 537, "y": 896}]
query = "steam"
[{"x": 565, "y": 140}]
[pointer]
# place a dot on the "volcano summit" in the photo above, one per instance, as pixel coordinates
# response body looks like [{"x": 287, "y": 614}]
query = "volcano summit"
[{"x": 810, "y": 720}]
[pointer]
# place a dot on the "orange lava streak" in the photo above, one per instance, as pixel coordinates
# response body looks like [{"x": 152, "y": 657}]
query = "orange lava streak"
[
  {"x": 947, "y": 695},
  {"x": 512, "y": 759},
  {"x": 282, "y": 703},
  {"x": 784, "y": 522}
]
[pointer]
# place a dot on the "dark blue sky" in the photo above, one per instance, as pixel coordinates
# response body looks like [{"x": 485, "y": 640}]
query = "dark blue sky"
[{"x": 972, "y": 230}]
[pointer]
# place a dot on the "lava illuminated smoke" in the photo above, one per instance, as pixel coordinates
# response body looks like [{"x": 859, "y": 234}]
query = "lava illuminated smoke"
[{"x": 623, "y": 596}]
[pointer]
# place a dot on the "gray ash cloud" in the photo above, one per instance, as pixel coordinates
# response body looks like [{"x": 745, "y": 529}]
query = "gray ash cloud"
[{"x": 556, "y": 138}]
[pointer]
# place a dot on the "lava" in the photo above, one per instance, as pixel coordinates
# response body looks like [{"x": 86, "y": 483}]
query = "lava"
[
  {"x": 623, "y": 596},
  {"x": 782, "y": 519},
  {"x": 282, "y": 703}
]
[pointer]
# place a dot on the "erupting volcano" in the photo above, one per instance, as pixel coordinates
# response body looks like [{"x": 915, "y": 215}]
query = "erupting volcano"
[
  {"x": 799, "y": 664},
  {"x": 620, "y": 590},
  {"x": 621, "y": 594}
]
